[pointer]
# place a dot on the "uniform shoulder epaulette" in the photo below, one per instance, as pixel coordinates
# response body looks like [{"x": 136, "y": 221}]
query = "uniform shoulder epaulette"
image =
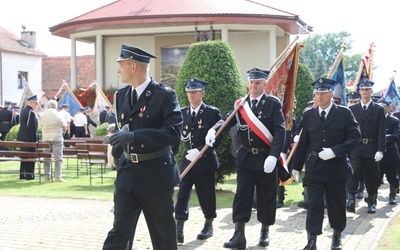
[
  {"x": 342, "y": 107},
  {"x": 307, "y": 109},
  {"x": 211, "y": 107},
  {"x": 184, "y": 108},
  {"x": 124, "y": 87},
  {"x": 164, "y": 87}
]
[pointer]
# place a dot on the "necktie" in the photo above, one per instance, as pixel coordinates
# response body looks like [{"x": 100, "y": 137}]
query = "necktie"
[
  {"x": 133, "y": 98},
  {"x": 253, "y": 105},
  {"x": 193, "y": 115},
  {"x": 323, "y": 116},
  {"x": 365, "y": 108}
]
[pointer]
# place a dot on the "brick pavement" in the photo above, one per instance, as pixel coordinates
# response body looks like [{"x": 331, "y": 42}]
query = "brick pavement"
[{"x": 66, "y": 224}]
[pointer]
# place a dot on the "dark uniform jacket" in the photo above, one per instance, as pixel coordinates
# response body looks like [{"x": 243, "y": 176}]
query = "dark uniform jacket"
[
  {"x": 103, "y": 116},
  {"x": 340, "y": 132},
  {"x": 29, "y": 125},
  {"x": 156, "y": 120},
  {"x": 392, "y": 136},
  {"x": 372, "y": 126},
  {"x": 6, "y": 118},
  {"x": 193, "y": 135},
  {"x": 269, "y": 112}
]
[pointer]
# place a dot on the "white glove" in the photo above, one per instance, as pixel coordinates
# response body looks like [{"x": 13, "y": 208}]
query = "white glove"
[
  {"x": 192, "y": 154},
  {"x": 210, "y": 137},
  {"x": 378, "y": 156},
  {"x": 284, "y": 156},
  {"x": 296, "y": 138},
  {"x": 296, "y": 175},
  {"x": 326, "y": 154},
  {"x": 269, "y": 164}
]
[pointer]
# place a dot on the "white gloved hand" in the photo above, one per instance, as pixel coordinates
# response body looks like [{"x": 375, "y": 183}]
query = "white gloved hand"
[
  {"x": 210, "y": 137},
  {"x": 269, "y": 164},
  {"x": 378, "y": 156},
  {"x": 296, "y": 138},
  {"x": 192, "y": 154},
  {"x": 326, "y": 154},
  {"x": 296, "y": 175},
  {"x": 284, "y": 156}
]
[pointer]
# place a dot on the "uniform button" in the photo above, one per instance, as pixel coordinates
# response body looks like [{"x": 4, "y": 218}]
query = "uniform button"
[
  {"x": 142, "y": 145},
  {"x": 323, "y": 140},
  {"x": 130, "y": 119},
  {"x": 131, "y": 148},
  {"x": 323, "y": 131}
]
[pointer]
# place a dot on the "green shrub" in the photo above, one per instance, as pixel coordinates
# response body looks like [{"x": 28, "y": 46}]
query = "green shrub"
[
  {"x": 213, "y": 62},
  {"x": 102, "y": 130}
]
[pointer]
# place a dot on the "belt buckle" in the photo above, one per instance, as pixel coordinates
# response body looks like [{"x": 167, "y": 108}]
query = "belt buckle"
[
  {"x": 134, "y": 158},
  {"x": 365, "y": 141},
  {"x": 254, "y": 151}
]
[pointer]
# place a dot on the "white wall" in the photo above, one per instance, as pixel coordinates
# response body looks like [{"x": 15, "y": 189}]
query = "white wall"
[
  {"x": 13, "y": 63},
  {"x": 112, "y": 49}
]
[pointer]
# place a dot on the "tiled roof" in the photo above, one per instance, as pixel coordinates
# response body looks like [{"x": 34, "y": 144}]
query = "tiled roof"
[
  {"x": 125, "y": 13},
  {"x": 12, "y": 43},
  {"x": 57, "y": 69}
]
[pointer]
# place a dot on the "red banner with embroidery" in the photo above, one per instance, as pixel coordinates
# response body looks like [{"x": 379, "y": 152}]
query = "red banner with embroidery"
[{"x": 282, "y": 83}]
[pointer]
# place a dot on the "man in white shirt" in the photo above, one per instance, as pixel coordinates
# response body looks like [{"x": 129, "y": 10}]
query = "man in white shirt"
[{"x": 80, "y": 122}]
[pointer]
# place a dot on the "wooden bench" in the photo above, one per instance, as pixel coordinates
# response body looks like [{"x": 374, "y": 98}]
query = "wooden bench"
[
  {"x": 93, "y": 154},
  {"x": 13, "y": 153},
  {"x": 71, "y": 152}
]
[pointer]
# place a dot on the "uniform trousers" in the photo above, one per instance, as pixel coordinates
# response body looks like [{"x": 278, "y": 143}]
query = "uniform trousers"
[
  {"x": 335, "y": 194},
  {"x": 369, "y": 168},
  {"x": 266, "y": 186},
  {"x": 27, "y": 169},
  {"x": 127, "y": 209},
  {"x": 205, "y": 189},
  {"x": 80, "y": 132},
  {"x": 390, "y": 170}
]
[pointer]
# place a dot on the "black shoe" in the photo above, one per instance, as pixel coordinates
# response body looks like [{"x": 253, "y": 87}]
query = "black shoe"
[
  {"x": 179, "y": 230},
  {"x": 312, "y": 242},
  {"x": 207, "y": 230},
  {"x": 351, "y": 203},
  {"x": 302, "y": 204},
  {"x": 238, "y": 241},
  {"x": 264, "y": 236},
  {"x": 279, "y": 203},
  {"x": 336, "y": 241},
  {"x": 359, "y": 195}
]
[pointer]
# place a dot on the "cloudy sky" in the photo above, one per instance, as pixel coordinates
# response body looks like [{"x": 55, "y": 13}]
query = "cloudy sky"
[{"x": 367, "y": 21}]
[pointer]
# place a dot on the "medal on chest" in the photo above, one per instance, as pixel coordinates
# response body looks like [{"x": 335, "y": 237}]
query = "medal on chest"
[{"x": 142, "y": 109}]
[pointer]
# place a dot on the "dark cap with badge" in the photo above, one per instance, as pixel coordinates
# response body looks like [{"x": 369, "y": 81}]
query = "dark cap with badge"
[
  {"x": 258, "y": 74},
  {"x": 353, "y": 96},
  {"x": 364, "y": 83},
  {"x": 7, "y": 102},
  {"x": 33, "y": 98},
  {"x": 384, "y": 102},
  {"x": 135, "y": 53},
  {"x": 195, "y": 84},
  {"x": 323, "y": 84}
]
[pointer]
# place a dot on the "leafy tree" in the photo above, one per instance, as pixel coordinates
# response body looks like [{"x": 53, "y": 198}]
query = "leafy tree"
[
  {"x": 304, "y": 89},
  {"x": 213, "y": 62},
  {"x": 321, "y": 50}
]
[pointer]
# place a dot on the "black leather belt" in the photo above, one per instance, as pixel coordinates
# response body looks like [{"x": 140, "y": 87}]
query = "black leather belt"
[
  {"x": 367, "y": 140},
  {"x": 136, "y": 158},
  {"x": 255, "y": 150},
  {"x": 314, "y": 153}
]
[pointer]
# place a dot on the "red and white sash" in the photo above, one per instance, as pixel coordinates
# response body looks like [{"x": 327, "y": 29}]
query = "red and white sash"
[{"x": 258, "y": 127}]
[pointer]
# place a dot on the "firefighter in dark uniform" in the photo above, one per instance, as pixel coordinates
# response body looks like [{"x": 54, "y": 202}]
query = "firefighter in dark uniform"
[
  {"x": 198, "y": 118},
  {"x": 389, "y": 163},
  {"x": 6, "y": 119},
  {"x": 150, "y": 121},
  {"x": 371, "y": 118},
  {"x": 255, "y": 160},
  {"x": 28, "y": 132},
  {"x": 330, "y": 132}
]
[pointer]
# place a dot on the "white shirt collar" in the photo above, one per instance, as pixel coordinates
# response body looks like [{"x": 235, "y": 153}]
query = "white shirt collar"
[
  {"x": 326, "y": 110},
  {"x": 196, "y": 110},
  {"x": 141, "y": 87}
]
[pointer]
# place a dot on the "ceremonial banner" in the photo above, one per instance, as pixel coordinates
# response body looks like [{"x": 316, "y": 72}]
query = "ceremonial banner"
[
  {"x": 101, "y": 101},
  {"x": 282, "y": 83},
  {"x": 393, "y": 95},
  {"x": 70, "y": 99},
  {"x": 27, "y": 92},
  {"x": 339, "y": 89}
]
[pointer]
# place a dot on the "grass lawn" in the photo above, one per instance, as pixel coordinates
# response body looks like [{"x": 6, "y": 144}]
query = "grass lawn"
[{"x": 79, "y": 188}]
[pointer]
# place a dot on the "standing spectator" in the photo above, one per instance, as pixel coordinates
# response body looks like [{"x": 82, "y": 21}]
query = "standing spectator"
[
  {"x": 103, "y": 115},
  {"x": 256, "y": 160},
  {"x": 68, "y": 119},
  {"x": 111, "y": 116},
  {"x": 28, "y": 132},
  {"x": 89, "y": 120},
  {"x": 365, "y": 157},
  {"x": 15, "y": 116},
  {"x": 198, "y": 117},
  {"x": 330, "y": 132},
  {"x": 6, "y": 119},
  {"x": 53, "y": 128},
  {"x": 389, "y": 163},
  {"x": 150, "y": 122},
  {"x": 80, "y": 122}
]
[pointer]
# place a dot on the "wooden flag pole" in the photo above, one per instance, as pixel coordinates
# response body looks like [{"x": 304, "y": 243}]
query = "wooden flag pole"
[{"x": 203, "y": 150}]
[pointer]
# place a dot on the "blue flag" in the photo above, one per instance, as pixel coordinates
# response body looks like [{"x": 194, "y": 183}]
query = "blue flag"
[
  {"x": 73, "y": 103},
  {"x": 393, "y": 95},
  {"x": 339, "y": 89}
]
